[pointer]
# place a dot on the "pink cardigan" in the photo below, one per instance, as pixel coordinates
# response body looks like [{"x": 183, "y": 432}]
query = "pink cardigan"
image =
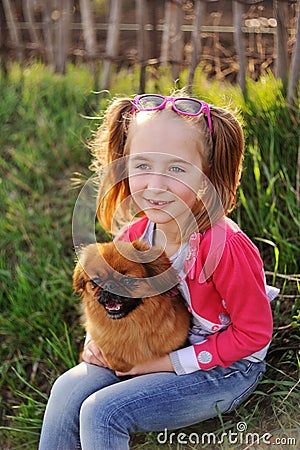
[{"x": 224, "y": 286}]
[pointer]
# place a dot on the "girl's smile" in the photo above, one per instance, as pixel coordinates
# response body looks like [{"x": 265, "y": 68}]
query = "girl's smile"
[{"x": 156, "y": 203}]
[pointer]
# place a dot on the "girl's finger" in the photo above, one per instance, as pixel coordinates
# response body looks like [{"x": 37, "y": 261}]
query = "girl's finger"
[{"x": 93, "y": 355}]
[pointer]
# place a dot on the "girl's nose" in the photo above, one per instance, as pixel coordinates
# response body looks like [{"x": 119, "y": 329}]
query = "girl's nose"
[{"x": 157, "y": 181}]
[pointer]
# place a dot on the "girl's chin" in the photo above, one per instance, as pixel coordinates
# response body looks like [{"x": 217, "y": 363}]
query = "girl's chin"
[
  {"x": 163, "y": 218},
  {"x": 158, "y": 213},
  {"x": 159, "y": 216}
]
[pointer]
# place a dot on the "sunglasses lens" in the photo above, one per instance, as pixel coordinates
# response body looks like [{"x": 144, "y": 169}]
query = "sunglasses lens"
[
  {"x": 188, "y": 106},
  {"x": 150, "y": 102}
]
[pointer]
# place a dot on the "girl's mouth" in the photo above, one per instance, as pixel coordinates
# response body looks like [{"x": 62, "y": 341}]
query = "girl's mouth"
[{"x": 158, "y": 203}]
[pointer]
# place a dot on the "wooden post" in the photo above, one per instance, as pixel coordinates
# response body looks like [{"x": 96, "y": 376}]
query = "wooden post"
[
  {"x": 199, "y": 13},
  {"x": 164, "y": 55},
  {"x": 111, "y": 41},
  {"x": 293, "y": 93},
  {"x": 86, "y": 10},
  {"x": 62, "y": 35},
  {"x": 216, "y": 45},
  {"x": 238, "y": 9},
  {"x": 281, "y": 62},
  {"x": 142, "y": 44},
  {"x": 48, "y": 32},
  {"x": 172, "y": 37},
  {"x": 29, "y": 17},
  {"x": 3, "y": 44},
  {"x": 13, "y": 28},
  {"x": 176, "y": 39},
  {"x": 153, "y": 7}
]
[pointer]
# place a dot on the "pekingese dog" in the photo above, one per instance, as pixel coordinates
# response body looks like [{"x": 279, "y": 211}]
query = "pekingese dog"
[{"x": 132, "y": 307}]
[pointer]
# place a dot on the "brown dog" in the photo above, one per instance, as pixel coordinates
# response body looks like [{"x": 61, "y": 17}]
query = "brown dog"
[{"x": 131, "y": 310}]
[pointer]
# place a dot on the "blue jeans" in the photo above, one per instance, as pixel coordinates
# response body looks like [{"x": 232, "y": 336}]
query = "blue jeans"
[{"x": 90, "y": 408}]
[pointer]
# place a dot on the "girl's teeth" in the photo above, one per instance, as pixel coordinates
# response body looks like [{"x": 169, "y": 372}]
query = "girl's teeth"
[{"x": 157, "y": 203}]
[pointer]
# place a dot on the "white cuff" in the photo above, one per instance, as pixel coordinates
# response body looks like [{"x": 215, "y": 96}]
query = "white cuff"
[
  {"x": 272, "y": 292},
  {"x": 184, "y": 361}
]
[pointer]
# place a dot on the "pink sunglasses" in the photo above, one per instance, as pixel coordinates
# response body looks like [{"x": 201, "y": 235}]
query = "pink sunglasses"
[{"x": 182, "y": 105}]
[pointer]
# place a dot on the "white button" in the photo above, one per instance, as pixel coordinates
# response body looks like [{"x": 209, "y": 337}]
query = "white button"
[{"x": 204, "y": 357}]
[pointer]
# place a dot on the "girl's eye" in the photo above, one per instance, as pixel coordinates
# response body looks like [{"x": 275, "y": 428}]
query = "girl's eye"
[
  {"x": 143, "y": 166},
  {"x": 176, "y": 169}
]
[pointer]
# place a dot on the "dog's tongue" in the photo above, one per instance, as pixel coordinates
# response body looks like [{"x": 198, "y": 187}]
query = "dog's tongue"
[{"x": 113, "y": 306}]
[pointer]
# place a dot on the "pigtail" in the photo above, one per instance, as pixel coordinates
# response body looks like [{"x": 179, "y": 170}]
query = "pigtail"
[
  {"x": 110, "y": 138},
  {"x": 108, "y": 149},
  {"x": 222, "y": 162},
  {"x": 226, "y": 157}
]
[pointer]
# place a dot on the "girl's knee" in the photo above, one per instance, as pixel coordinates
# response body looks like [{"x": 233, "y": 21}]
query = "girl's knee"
[
  {"x": 66, "y": 384},
  {"x": 93, "y": 418},
  {"x": 103, "y": 423},
  {"x": 93, "y": 409},
  {"x": 62, "y": 384},
  {"x": 97, "y": 410}
]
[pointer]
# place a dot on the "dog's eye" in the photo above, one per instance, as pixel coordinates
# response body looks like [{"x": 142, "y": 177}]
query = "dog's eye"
[
  {"x": 95, "y": 282},
  {"x": 130, "y": 282}
]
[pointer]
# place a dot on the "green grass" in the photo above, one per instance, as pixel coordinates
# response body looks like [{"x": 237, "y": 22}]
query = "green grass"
[{"x": 44, "y": 125}]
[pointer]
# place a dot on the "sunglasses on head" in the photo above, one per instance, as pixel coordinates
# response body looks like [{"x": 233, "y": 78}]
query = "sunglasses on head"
[{"x": 182, "y": 105}]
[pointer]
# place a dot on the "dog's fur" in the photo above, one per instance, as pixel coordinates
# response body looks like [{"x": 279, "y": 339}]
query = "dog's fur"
[{"x": 141, "y": 324}]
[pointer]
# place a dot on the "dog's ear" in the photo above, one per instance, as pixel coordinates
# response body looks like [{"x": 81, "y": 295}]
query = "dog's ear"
[
  {"x": 140, "y": 245},
  {"x": 162, "y": 276},
  {"x": 158, "y": 261},
  {"x": 164, "y": 280},
  {"x": 154, "y": 259},
  {"x": 79, "y": 278}
]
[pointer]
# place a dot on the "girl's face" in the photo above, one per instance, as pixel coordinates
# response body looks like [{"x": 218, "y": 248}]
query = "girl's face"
[{"x": 164, "y": 168}]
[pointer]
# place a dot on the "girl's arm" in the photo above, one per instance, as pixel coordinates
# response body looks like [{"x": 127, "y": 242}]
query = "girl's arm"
[
  {"x": 162, "y": 364},
  {"x": 239, "y": 281},
  {"x": 92, "y": 354}
]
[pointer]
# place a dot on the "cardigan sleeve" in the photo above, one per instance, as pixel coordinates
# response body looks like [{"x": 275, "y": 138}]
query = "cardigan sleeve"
[{"x": 240, "y": 282}]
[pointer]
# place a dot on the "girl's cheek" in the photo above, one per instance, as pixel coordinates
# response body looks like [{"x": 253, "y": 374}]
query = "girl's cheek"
[
  {"x": 136, "y": 184},
  {"x": 182, "y": 189}
]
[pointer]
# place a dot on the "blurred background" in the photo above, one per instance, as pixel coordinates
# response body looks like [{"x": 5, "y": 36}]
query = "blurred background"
[{"x": 227, "y": 37}]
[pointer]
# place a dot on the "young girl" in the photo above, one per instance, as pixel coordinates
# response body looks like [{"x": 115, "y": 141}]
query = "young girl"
[{"x": 178, "y": 161}]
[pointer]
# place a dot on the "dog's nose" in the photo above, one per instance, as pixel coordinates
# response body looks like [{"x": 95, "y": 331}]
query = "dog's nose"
[{"x": 109, "y": 286}]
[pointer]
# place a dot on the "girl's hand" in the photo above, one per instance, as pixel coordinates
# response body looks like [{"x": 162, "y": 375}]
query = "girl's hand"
[
  {"x": 92, "y": 354},
  {"x": 162, "y": 364}
]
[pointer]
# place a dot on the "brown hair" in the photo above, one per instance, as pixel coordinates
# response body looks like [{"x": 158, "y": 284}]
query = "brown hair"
[{"x": 222, "y": 154}]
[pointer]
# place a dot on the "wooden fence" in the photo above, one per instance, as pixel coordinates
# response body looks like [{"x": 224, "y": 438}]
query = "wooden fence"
[{"x": 229, "y": 38}]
